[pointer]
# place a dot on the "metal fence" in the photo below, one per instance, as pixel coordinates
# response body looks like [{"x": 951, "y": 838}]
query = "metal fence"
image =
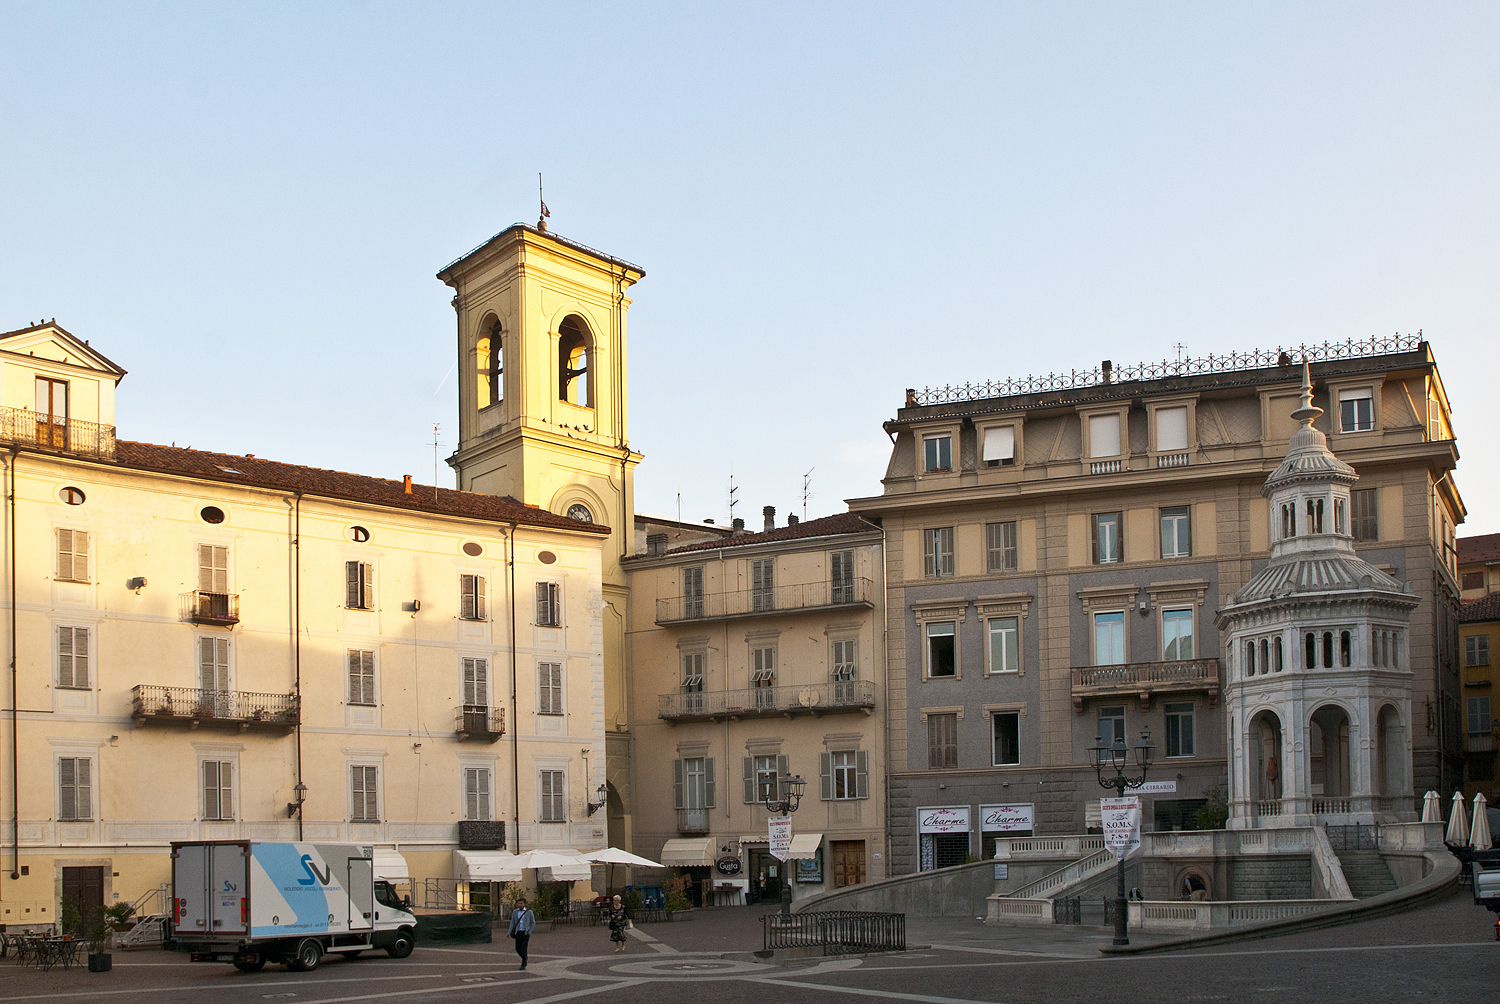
[
  {"x": 839, "y": 932},
  {"x": 1353, "y": 837},
  {"x": 47, "y": 432}
]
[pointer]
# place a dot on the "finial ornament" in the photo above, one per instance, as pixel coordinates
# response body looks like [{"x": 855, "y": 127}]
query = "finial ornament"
[{"x": 1309, "y": 411}]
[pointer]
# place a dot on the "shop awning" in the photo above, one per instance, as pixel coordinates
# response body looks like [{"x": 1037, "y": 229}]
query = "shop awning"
[
  {"x": 390, "y": 864},
  {"x": 485, "y": 866},
  {"x": 688, "y": 852},
  {"x": 580, "y": 871},
  {"x": 805, "y": 845}
]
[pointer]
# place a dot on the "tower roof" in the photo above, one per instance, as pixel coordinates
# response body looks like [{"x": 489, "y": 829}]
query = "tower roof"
[{"x": 1308, "y": 457}]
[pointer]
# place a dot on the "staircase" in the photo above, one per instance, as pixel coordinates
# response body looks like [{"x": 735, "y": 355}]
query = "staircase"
[
  {"x": 1366, "y": 872},
  {"x": 148, "y": 933}
]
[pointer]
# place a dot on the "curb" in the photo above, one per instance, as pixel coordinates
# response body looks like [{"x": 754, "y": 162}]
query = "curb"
[{"x": 1445, "y": 873}]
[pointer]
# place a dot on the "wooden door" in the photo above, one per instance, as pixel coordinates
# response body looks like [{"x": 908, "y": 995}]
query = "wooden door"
[
  {"x": 83, "y": 889},
  {"x": 848, "y": 862}
]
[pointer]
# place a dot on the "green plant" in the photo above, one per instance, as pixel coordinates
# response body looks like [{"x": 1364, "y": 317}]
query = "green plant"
[
  {"x": 677, "y": 895},
  {"x": 95, "y": 929},
  {"x": 551, "y": 902},
  {"x": 631, "y": 900},
  {"x": 512, "y": 892},
  {"x": 1215, "y": 813},
  {"x": 72, "y": 917},
  {"x": 119, "y": 913}
]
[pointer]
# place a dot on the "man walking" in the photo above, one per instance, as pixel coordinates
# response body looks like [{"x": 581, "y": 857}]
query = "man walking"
[{"x": 522, "y": 920}]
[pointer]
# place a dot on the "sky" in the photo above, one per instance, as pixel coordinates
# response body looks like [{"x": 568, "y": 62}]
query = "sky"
[{"x": 244, "y": 205}]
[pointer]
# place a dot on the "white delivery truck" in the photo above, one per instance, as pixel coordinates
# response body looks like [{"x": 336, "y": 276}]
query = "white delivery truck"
[{"x": 250, "y": 902}]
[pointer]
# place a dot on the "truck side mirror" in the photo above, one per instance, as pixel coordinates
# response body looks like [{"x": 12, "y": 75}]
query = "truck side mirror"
[{"x": 406, "y": 903}]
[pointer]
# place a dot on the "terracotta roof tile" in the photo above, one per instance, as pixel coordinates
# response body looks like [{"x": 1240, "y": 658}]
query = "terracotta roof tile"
[
  {"x": 257, "y": 473},
  {"x": 1485, "y": 547},
  {"x": 826, "y": 526},
  {"x": 1485, "y": 608}
]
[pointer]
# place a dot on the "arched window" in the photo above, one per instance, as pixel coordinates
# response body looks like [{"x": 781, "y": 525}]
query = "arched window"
[
  {"x": 1276, "y": 657},
  {"x": 1396, "y": 649},
  {"x": 1249, "y": 658},
  {"x": 1314, "y": 515},
  {"x": 1312, "y": 651},
  {"x": 1265, "y": 656},
  {"x": 1327, "y": 649},
  {"x": 574, "y": 383},
  {"x": 1346, "y": 649}
]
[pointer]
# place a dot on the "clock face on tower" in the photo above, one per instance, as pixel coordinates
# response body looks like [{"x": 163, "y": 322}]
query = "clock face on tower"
[{"x": 580, "y": 512}]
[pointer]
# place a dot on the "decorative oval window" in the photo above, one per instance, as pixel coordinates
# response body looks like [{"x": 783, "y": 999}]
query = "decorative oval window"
[
  {"x": 211, "y": 514},
  {"x": 72, "y": 496},
  {"x": 546, "y": 557},
  {"x": 580, "y": 512},
  {"x": 359, "y": 534},
  {"x": 473, "y": 548}
]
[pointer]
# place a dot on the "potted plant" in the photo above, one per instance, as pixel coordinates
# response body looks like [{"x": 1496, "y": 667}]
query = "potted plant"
[
  {"x": 119, "y": 915},
  {"x": 96, "y": 932}
]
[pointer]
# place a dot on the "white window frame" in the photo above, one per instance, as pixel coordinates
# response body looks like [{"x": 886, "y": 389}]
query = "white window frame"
[
  {"x": 766, "y": 766},
  {"x": 1165, "y": 441},
  {"x": 1116, "y": 554},
  {"x": 844, "y": 769},
  {"x": 208, "y": 574},
  {"x": 552, "y": 796},
  {"x": 934, "y": 446},
  {"x": 73, "y": 757},
  {"x": 1107, "y": 435},
  {"x": 927, "y": 637},
  {"x": 477, "y": 792},
  {"x": 1182, "y": 520},
  {"x": 998, "y": 624},
  {"x": 1124, "y": 622},
  {"x": 998, "y": 446},
  {"x": 1477, "y": 650},
  {"x": 1192, "y": 636},
  {"x": 1174, "y": 709},
  {"x": 359, "y": 585},
  {"x": 72, "y": 658},
  {"x": 550, "y": 698},
  {"x": 1351, "y": 395},
  {"x": 365, "y": 656},
  {"x": 67, "y": 555}
]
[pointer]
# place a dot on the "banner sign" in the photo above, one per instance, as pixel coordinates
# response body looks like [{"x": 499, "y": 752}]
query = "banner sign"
[
  {"x": 948, "y": 819},
  {"x": 780, "y": 828},
  {"x": 1121, "y": 818},
  {"x": 1158, "y": 787},
  {"x": 1005, "y": 818}
]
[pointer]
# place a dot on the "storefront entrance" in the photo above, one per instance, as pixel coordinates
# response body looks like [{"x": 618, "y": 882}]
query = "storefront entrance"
[{"x": 766, "y": 875}]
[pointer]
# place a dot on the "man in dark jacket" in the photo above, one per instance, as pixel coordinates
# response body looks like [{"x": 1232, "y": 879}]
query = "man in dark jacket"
[{"x": 522, "y": 920}]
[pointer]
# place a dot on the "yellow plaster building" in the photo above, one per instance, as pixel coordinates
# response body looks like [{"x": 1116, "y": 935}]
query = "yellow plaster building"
[{"x": 1479, "y": 640}]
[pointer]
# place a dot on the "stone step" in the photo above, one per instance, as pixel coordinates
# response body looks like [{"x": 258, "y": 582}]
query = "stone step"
[{"x": 1366, "y": 872}]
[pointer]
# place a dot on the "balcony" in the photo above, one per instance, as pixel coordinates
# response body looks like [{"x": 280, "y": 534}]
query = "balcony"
[
  {"x": 816, "y": 699},
  {"x": 85, "y": 439},
  {"x": 214, "y": 609},
  {"x": 808, "y": 597},
  {"x": 691, "y": 822},
  {"x": 1144, "y": 679},
  {"x": 220, "y": 709},
  {"x": 473, "y": 721},
  {"x": 1481, "y": 742}
]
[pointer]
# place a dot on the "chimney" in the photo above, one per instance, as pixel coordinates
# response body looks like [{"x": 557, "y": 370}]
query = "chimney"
[
  {"x": 408, "y": 484},
  {"x": 738, "y": 526},
  {"x": 656, "y": 543},
  {"x": 791, "y": 520},
  {"x": 769, "y": 512},
  {"x": 1109, "y": 371}
]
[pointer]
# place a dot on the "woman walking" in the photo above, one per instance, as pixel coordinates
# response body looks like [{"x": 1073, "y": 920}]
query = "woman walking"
[{"x": 618, "y": 921}]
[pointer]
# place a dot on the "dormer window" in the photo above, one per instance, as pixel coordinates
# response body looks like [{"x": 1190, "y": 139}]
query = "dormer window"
[
  {"x": 573, "y": 351},
  {"x": 1356, "y": 410},
  {"x": 1171, "y": 430},
  {"x": 52, "y": 413},
  {"x": 937, "y": 454},
  {"x": 1104, "y": 435},
  {"x": 1000, "y": 446}
]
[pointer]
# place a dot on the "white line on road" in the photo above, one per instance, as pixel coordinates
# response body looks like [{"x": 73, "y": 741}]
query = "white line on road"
[
  {"x": 891, "y": 994},
  {"x": 477, "y": 986},
  {"x": 1490, "y": 945}
]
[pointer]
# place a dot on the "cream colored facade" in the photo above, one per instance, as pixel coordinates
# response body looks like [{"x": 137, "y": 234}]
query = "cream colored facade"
[
  {"x": 190, "y": 643},
  {"x": 753, "y": 655}
]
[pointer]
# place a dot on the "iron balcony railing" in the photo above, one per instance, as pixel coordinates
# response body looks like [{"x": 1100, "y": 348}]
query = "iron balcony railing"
[
  {"x": 842, "y": 696},
  {"x": 692, "y": 820},
  {"x": 220, "y": 609},
  {"x": 1142, "y": 679},
  {"x": 836, "y": 932},
  {"x": 193, "y": 707},
  {"x": 27, "y": 427},
  {"x": 473, "y": 721},
  {"x": 1481, "y": 742},
  {"x": 760, "y": 602}
]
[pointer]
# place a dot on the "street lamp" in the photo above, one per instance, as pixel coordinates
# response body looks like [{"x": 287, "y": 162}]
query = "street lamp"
[
  {"x": 295, "y": 808},
  {"x": 1119, "y": 758},
  {"x": 791, "y": 788},
  {"x": 603, "y": 798}
]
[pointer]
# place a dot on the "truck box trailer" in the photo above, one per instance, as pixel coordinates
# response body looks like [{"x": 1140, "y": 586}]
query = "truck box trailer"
[{"x": 249, "y": 902}]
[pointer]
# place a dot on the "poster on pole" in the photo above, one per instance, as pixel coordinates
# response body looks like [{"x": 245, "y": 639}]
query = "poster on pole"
[
  {"x": 1121, "y": 818},
  {"x": 780, "y": 828}
]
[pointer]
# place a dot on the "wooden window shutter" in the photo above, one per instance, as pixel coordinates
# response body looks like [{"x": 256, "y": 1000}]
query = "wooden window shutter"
[
  {"x": 825, "y": 775},
  {"x": 783, "y": 768},
  {"x": 207, "y": 677},
  {"x": 749, "y": 765},
  {"x": 64, "y": 554},
  {"x": 677, "y": 802},
  {"x": 351, "y": 584},
  {"x": 466, "y": 596},
  {"x": 80, "y": 555},
  {"x": 213, "y": 568},
  {"x": 67, "y": 794},
  {"x": 367, "y": 593},
  {"x": 862, "y": 774},
  {"x": 479, "y": 597},
  {"x": 708, "y": 782},
  {"x": 210, "y": 789}
]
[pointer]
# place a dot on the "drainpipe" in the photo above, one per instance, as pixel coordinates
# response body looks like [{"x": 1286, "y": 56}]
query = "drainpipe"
[
  {"x": 297, "y": 649},
  {"x": 15, "y": 765},
  {"x": 515, "y": 737}
]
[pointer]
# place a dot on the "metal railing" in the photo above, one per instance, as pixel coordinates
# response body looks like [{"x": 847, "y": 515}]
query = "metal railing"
[
  {"x": 88, "y": 439},
  {"x": 753, "y": 602},
  {"x": 150, "y": 703},
  {"x": 836, "y": 932},
  {"x": 692, "y": 820},
  {"x": 1232, "y": 363},
  {"x": 204, "y": 607},
  {"x": 1481, "y": 742},
  {"x": 476, "y": 721},
  {"x": 843, "y": 695}
]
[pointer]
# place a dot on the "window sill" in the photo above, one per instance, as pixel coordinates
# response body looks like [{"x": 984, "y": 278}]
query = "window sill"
[
  {"x": 551, "y": 714},
  {"x": 81, "y": 819},
  {"x": 360, "y": 704},
  {"x": 477, "y": 620},
  {"x": 79, "y": 582},
  {"x": 361, "y": 609},
  {"x": 364, "y": 820},
  {"x": 63, "y": 686}
]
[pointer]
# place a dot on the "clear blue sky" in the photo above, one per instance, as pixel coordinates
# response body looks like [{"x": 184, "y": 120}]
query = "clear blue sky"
[{"x": 244, "y": 205}]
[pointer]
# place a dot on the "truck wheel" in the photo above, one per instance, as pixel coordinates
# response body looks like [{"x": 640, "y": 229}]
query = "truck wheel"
[
  {"x": 309, "y": 954},
  {"x": 251, "y": 967},
  {"x": 401, "y": 947}
]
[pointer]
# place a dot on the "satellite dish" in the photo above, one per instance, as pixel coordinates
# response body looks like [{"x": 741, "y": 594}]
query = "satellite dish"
[{"x": 809, "y": 696}]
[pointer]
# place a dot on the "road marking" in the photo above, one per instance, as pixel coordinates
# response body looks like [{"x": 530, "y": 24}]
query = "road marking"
[
  {"x": 213, "y": 986},
  {"x": 1490, "y": 945},
  {"x": 652, "y": 943},
  {"x": 889, "y": 994},
  {"x": 619, "y": 985},
  {"x": 1010, "y": 951}
]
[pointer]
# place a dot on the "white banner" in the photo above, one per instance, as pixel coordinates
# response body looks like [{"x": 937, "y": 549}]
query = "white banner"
[
  {"x": 1005, "y": 818},
  {"x": 780, "y": 828},
  {"x": 1121, "y": 818},
  {"x": 1158, "y": 787},
  {"x": 947, "y": 819}
]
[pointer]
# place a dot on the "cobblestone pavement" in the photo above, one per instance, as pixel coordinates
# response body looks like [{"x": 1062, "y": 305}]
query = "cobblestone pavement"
[{"x": 1445, "y": 951}]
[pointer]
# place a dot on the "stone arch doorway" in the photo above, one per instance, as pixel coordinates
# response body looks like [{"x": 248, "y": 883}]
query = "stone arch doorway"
[
  {"x": 1390, "y": 758},
  {"x": 1328, "y": 758},
  {"x": 1266, "y": 766}
]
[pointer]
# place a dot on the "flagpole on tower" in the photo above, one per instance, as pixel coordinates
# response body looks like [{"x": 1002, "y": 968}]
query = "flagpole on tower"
[{"x": 541, "y": 221}]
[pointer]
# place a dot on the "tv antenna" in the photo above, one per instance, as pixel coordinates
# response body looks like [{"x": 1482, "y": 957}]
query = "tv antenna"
[
  {"x": 807, "y": 491},
  {"x": 733, "y": 489},
  {"x": 435, "y": 428}
]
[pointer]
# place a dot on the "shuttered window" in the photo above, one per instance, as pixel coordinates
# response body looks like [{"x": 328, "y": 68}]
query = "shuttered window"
[
  {"x": 763, "y": 584},
  {"x": 692, "y": 592},
  {"x": 476, "y": 682},
  {"x": 693, "y": 783},
  {"x": 477, "y": 793},
  {"x": 218, "y": 789},
  {"x": 359, "y": 585},
  {"x": 761, "y": 774},
  {"x": 549, "y": 700},
  {"x": 73, "y": 658},
  {"x": 361, "y": 677},
  {"x": 1000, "y": 547},
  {"x": 75, "y": 793},
  {"x": 471, "y": 597},
  {"x": 942, "y": 741},
  {"x": 73, "y": 555},
  {"x": 1363, "y": 523},
  {"x": 844, "y": 775},
  {"x": 841, "y": 577},
  {"x": 213, "y": 663},
  {"x": 548, "y": 612},
  {"x": 364, "y": 799},
  {"x": 554, "y": 800},
  {"x": 213, "y": 568},
  {"x": 937, "y": 552}
]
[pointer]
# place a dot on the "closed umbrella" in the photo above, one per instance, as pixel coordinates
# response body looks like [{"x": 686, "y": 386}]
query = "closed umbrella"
[
  {"x": 1458, "y": 823},
  {"x": 1480, "y": 839},
  {"x": 1432, "y": 808}
]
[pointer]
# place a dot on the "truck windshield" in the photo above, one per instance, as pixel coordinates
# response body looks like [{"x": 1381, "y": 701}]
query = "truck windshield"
[{"x": 385, "y": 895}]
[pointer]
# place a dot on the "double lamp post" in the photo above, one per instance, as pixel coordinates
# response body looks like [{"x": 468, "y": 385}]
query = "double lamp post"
[
  {"x": 790, "y": 789},
  {"x": 1119, "y": 758}
]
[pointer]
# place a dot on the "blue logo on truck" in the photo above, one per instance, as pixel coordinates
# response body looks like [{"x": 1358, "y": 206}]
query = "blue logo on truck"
[{"x": 313, "y": 876}]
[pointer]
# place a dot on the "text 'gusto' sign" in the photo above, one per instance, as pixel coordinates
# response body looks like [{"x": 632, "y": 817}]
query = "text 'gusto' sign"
[
  {"x": 948, "y": 819},
  {"x": 1005, "y": 818}
]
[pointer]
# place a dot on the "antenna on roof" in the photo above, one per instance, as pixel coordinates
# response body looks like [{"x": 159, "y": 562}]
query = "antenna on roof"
[
  {"x": 435, "y": 428},
  {"x": 541, "y": 220},
  {"x": 732, "y": 500},
  {"x": 807, "y": 492}
]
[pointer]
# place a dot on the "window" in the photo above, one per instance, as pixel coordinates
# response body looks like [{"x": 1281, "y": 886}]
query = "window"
[
  {"x": 72, "y": 496},
  {"x": 1000, "y": 446},
  {"x": 1180, "y": 729},
  {"x": 75, "y": 790},
  {"x": 218, "y": 789},
  {"x": 213, "y": 569},
  {"x": 364, "y": 793},
  {"x": 554, "y": 798},
  {"x": 761, "y": 773},
  {"x": 72, "y": 555},
  {"x": 1250, "y": 658},
  {"x": 573, "y": 363},
  {"x": 841, "y": 577},
  {"x": 763, "y": 676},
  {"x": 1112, "y": 725},
  {"x": 1104, "y": 435},
  {"x": 1171, "y": 429},
  {"x": 1364, "y": 523},
  {"x": 359, "y": 585},
  {"x": 73, "y": 658},
  {"x": 548, "y": 605},
  {"x": 212, "y": 514},
  {"x": 845, "y": 775},
  {"x": 1314, "y": 515},
  {"x": 1276, "y": 655},
  {"x": 845, "y": 671},
  {"x": 1288, "y": 520},
  {"x": 476, "y": 682},
  {"x": 1356, "y": 410},
  {"x": 1107, "y": 538},
  {"x": 697, "y": 783},
  {"x": 1177, "y": 635},
  {"x": 213, "y": 667},
  {"x": 1000, "y": 547},
  {"x": 1109, "y": 638},
  {"x": 937, "y": 453},
  {"x": 1480, "y": 722},
  {"x": 937, "y": 552},
  {"x": 1340, "y": 516},
  {"x": 763, "y": 584},
  {"x": 489, "y": 359},
  {"x": 1473, "y": 580},
  {"x": 692, "y": 672},
  {"x": 1312, "y": 651},
  {"x": 549, "y": 700},
  {"x": 1005, "y": 647},
  {"x": 477, "y": 793},
  {"x": 942, "y": 649},
  {"x": 361, "y": 677},
  {"x": 942, "y": 740},
  {"x": 1346, "y": 649},
  {"x": 1007, "y": 738},
  {"x": 52, "y": 413},
  {"x": 1176, "y": 533},
  {"x": 692, "y": 592},
  {"x": 1477, "y": 650}
]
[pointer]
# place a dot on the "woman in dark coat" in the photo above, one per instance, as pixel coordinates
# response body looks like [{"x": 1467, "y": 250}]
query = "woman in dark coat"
[{"x": 618, "y": 921}]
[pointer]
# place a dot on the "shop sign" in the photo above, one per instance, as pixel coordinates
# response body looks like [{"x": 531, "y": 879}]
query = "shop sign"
[
  {"x": 947, "y": 819},
  {"x": 1158, "y": 788},
  {"x": 1006, "y": 818},
  {"x": 727, "y": 864}
]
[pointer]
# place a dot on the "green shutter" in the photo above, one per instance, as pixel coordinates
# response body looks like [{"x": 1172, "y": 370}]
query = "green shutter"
[
  {"x": 862, "y": 774},
  {"x": 749, "y": 765},
  {"x": 708, "y": 782},
  {"x": 677, "y": 802},
  {"x": 825, "y": 776}
]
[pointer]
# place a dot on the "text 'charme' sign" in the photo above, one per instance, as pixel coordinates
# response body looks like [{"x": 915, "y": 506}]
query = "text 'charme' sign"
[
  {"x": 948, "y": 819},
  {"x": 1005, "y": 818}
]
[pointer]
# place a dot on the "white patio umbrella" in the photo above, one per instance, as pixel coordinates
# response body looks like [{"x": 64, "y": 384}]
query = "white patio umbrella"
[
  {"x": 1458, "y": 823},
  {"x": 545, "y": 859},
  {"x": 1479, "y": 838},
  {"x": 615, "y": 856},
  {"x": 1432, "y": 808}
]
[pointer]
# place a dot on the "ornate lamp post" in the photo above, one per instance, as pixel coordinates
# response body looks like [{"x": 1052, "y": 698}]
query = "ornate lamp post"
[
  {"x": 1118, "y": 758},
  {"x": 791, "y": 789}
]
